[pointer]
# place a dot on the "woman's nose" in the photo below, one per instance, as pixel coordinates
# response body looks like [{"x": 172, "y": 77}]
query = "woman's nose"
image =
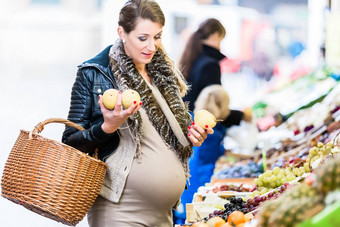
[{"x": 151, "y": 45}]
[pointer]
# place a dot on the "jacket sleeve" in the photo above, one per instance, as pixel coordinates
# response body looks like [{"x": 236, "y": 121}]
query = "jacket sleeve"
[
  {"x": 235, "y": 117},
  {"x": 81, "y": 113}
]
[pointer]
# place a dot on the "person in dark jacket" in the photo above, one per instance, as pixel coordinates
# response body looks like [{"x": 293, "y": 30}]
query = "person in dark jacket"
[
  {"x": 215, "y": 99},
  {"x": 146, "y": 146},
  {"x": 200, "y": 59}
]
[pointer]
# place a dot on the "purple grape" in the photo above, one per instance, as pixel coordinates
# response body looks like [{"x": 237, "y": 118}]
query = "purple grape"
[{"x": 257, "y": 199}]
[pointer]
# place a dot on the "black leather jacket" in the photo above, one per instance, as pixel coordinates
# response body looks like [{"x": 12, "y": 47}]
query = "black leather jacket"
[
  {"x": 93, "y": 78},
  {"x": 204, "y": 72}
]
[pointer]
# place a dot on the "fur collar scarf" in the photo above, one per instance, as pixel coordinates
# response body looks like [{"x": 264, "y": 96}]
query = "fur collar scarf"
[{"x": 168, "y": 83}]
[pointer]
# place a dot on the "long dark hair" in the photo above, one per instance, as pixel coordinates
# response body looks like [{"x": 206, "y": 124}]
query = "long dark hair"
[
  {"x": 194, "y": 45},
  {"x": 135, "y": 9}
]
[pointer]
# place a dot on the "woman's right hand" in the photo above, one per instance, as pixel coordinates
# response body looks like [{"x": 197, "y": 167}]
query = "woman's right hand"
[{"x": 113, "y": 119}]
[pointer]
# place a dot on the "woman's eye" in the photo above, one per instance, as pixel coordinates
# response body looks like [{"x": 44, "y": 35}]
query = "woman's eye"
[
  {"x": 142, "y": 38},
  {"x": 158, "y": 36}
]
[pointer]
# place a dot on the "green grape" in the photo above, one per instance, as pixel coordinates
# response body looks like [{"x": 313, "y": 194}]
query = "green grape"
[
  {"x": 268, "y": 173},
  {"x": 291, "y": 177},
  {"x": 261, "y": 177},
  {"x": 306, "y": 166},
  {"x": 313, "y": 151},
  {"x": 273, "y": 178},
  {"x": 264, "y": 190},
  {"x": 276, "y": 170},
  {"x": 283, "y": 180},
  {"x": 320, "y": 144},
  {"x": 273, "y": 184},
  {"x": 296, "y": 171},
  {"x": 330, "y": 145},
  {"x": 280, "y": 176},
  {"x": 301, "y": 171}
]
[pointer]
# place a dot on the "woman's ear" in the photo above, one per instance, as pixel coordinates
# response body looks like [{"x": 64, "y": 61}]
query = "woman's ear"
[{"x": 121, "y": 33}]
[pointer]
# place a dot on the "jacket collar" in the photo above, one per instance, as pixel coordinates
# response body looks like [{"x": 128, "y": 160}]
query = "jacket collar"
[
  {"x": 101, "y": 58},
  {"x": 212, "y": 52}
]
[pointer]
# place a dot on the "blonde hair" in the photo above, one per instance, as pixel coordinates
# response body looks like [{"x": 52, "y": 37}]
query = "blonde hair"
[{"x": 214, "y": 99}]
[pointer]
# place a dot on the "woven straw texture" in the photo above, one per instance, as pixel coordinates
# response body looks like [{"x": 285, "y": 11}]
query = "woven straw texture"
[{"x": 51, "y": 178}]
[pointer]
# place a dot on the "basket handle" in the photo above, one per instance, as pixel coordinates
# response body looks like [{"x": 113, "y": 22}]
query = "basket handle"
[{"x": 40, "y": 126}]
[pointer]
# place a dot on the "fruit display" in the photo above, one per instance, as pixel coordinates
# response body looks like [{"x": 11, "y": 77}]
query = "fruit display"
[
  {"x": 276, "y": 177},
  {"x": 292, "y": 178},
  {"x": 250, "y": 169},
  {"x": 296, "y": 204},
  {"x": 304, "y": 200},
  {"x": 235, "y": 219},
  {"x": 232, "y": 187},
  {"x": 204, "y": 117},
  {"x": 234, "y": 204},
  {"x": 328, "y": 176}
]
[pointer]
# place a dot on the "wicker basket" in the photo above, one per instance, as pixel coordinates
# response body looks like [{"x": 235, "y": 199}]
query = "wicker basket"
[{"x": 51, "y": 178}]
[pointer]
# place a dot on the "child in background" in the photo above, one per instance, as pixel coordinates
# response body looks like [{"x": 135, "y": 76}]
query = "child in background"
[{"x": 214, "y": 99}]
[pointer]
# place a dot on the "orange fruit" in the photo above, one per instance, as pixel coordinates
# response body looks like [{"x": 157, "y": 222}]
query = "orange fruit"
[
  {"x": 215, "y": 221},
  {"x": 226, "y": 225},
  {"x": 236, "y": 217},
  {"x": 240, "y": 225},
  {"x": 246, "y": 218},
  {"x": 200, "y": 224}
]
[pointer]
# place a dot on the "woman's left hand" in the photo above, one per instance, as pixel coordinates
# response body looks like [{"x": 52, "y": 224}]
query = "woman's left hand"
[{"x": 197, "y": 135}]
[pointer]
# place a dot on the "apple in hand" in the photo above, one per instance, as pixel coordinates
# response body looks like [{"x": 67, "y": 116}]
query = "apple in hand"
[
  {"x": 130, "y": 96},
  {"x": 110, "y": 98},
  {"x": 204, "y": 117}
]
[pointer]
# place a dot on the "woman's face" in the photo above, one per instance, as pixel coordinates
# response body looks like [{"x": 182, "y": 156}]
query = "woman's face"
[{"x": 142, "y": 42}]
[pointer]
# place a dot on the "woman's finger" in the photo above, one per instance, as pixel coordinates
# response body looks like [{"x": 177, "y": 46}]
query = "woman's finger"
[
  {"x": 197, "y": 134},
  {"x": 195, "y": 142},
  {"x": 198, "y": 128},
  {"x": 118, "y": 106},
  {"x": 137, "y": 107},
  {"x": 209, "y": 130}
]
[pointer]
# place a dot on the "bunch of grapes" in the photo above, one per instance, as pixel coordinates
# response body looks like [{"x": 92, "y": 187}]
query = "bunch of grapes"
[
  {"x": 234, "y": 204},
  {"x": 237, "y": 188},
  {"x": 316, "y": 152},
  {"x": 253, "y": 203},
  {"x": 271, "y": 179}
]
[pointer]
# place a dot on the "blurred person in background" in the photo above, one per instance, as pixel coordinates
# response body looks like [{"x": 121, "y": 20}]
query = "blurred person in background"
[
  {"x": 146, "y": 146},
  {"x": 200, "y": 60},
  {"x": 215, "y": 99}
]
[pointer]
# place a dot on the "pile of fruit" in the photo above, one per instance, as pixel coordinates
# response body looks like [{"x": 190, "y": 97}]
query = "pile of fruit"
[
  {"x": 249, "y": 170},
  {"x": 276, "y": 177},
  {"x": 303, "y": 200},
  {"x": 235, "y": 219},
  {"x": 232, "y": 187}
]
